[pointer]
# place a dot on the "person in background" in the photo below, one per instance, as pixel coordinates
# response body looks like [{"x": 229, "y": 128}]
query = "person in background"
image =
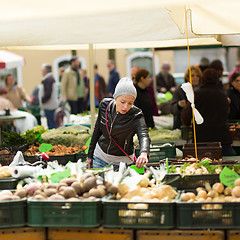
[
  {"x": 113, "y": 77},
  {"x": 179, "y": 99},
  {"x": 143, "y": 100},
  {"x": 165, "y": 80},
  {"x": 236, "y": 69},
  {"x": 4, "y": 102},
  {"x": 234, "y": 95},
  {"x": 150, "y": 91},
  {"x": 133, "y": 73},
  {"x": 72, "y": 86},
  {"x": 204, "y": 63},
  {"x": 100, "y": 88},
  {"x": 23, "y": 124},
  {"x": 213, "y": 105},
  {"x": 60, "y": 73},
  {"x": 48, "y": 95},
  {"x": 15, "y": 93},
  {"x": 115, "y": 143},
  {"x": 218, "y": 66}
]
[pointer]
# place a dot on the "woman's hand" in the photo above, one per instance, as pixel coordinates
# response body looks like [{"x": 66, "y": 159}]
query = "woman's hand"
[
  {"x": 142, "y": 160},
  {"x": 89, "y": 162}
]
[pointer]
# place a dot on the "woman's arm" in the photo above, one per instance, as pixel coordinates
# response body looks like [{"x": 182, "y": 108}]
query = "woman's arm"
[
  {"x": 96, "y": 135},
  {"x": 144, "y": 141}
]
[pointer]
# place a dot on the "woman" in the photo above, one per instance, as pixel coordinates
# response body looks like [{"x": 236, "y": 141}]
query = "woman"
[
  {"x": 113, "y": 142},
  {"x": 234, "y": 96},
  {"x": 179, "y": 99},
  {"x": 212, "y": 103},
  {"x": 143, "y": 100},
  {"x": 15, "y": 93}
]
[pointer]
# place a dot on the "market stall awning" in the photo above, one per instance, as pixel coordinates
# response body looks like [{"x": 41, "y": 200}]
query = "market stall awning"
[{"x": 10, "y": 60}]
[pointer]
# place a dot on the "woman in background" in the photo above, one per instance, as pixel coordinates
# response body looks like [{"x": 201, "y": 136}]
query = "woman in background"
[
  {"x": 143, "y": 100},
  {"x": 15, "y": 93},
  {"x": 179, "y": 99},
  {"x": 234, "y": 96}
]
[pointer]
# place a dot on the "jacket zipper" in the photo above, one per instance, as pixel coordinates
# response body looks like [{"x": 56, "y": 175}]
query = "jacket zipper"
[
  {"x": 110, "y": 133},
  {"x": 125, "y": 145}
]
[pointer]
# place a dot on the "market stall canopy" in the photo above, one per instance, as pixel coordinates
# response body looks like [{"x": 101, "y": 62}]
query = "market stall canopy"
[
  {"x": 78, "y": 22},
  {"x": 10, "y": 60}
]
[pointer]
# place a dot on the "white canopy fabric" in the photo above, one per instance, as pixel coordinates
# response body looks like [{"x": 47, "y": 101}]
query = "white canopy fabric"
[
  {"x": 105, "y": 23},
  {"x": 10, "y": 60}
]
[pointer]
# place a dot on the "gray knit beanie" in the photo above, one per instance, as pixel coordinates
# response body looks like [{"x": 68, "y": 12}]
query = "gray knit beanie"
[{"x": 125, "y": 87}]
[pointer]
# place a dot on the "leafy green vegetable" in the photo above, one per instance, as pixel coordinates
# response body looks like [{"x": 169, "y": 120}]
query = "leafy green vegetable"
[
  {"x": 12, "y": 139},
  {"x": 31, "y": 136}
]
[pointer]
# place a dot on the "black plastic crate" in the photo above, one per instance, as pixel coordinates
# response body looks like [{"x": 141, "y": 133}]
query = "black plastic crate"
[
  {"x": 159, "y": 152},
  {"x": 63, "y": 213},
  {"x": 13, "y": 213},
  {"x": 208, "y": 215},
  {"x": 80, "y": 155},
  {"x": 191, "y": 181},
  {"x": 118, "y": 214}
]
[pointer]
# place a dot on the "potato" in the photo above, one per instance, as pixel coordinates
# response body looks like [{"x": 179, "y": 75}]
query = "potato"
[
  {"x": 236, "y": 192},
  {"x": 218, "y": 187},
  {"x": 39, "y": 197},
  {"x": 228, "y": 191},
  {"x": 68, "y": 181},
  {"x": 112, "y": 189},
  {"x": 144, "y": 182},
  {"x": 56, "y": 197},
  {"x": 237, "y": 182},
  {"x": 202, "y": 194},
  {"x": 191, "y": 195},
  {"x": 50, "y": 191},
  {"x": 95, "y": 192},
  {"x": 69, "y": 192},
  {"x": 78, "y": 187},
  {"x": 185, "y": 197},
  {"x": 85, "y": 176},
  {"x": 21, "y": 193},
  {"x": 89, "y": 183}
]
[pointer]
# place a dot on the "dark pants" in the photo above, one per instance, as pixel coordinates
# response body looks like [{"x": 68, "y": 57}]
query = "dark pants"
[
  {"x": 50, "y": 118},
  {"x": 80, "y": 105},
  {"x": 227, "y": 150},
  {"x": 74, "y": 106}
]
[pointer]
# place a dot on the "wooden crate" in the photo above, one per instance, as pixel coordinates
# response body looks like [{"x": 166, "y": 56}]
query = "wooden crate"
[
  {"x": 179, "y": 235},
  {"x": 23, "y": 234},
  {"x": 89, "y": 234},
  {"x": 233, "y": 235}
]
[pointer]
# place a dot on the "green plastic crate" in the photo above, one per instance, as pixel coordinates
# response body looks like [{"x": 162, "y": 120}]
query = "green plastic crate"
[
  {"x": 157, "y": 152},
  {"x": 208, "y": 215},
  {"x": 13, "y": 213},
  {"x": 8, "y": 183},
  {"x": 117, "y": 214},
  {"x": 63, "y": 213}
]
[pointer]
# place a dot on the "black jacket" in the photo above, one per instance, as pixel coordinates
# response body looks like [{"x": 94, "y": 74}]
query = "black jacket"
[
  {"x": 234, "y": 96},
  {"x": 161, "y": 82},
  {"x": 175, "y": 109},
  {"x": 122, "y": 128},
  {"x": 143, "y": 101},
  {"x": 213, "y": 105}
]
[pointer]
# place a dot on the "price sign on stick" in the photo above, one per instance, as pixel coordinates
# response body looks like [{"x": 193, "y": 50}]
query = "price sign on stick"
[
  {"x": 228, "y": 177},
  {"x": 45, "y": 147}
]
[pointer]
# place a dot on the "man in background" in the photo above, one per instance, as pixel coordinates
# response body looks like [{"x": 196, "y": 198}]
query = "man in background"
[
  {"x": 113, "y": 78},
  {"x": 165, "y": 80},
  {"x": 48, "y": 95},
  {"x": 72, "y": 86}
]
